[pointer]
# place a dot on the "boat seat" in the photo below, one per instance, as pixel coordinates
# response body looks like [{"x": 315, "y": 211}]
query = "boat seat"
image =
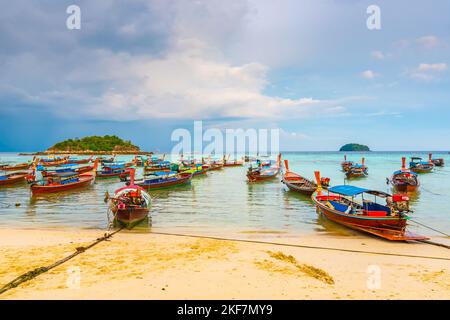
[
  {"x": 339, "y": 206},
  {"x": 375, "y": 213}
]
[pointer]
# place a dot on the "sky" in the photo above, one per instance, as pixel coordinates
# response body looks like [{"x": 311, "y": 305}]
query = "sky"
[{"x": 141, "y": 69}]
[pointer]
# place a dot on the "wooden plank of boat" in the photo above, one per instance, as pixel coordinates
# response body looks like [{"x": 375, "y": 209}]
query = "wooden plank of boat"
[{"x": 389, "y": 234}]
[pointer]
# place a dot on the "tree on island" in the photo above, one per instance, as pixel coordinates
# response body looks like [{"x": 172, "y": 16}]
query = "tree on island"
[
  {"x": 95, "y": 143},
  {"x": 354, "y": 147}
]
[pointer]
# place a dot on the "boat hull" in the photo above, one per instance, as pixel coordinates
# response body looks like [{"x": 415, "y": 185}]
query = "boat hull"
[
  {"x": 112, "y": 175},
  {"x": 13, "y": 179},
  {"x": 300, "y": 189},
  {"x": 130, "y": 217},
  {"x": 183, "y": 180},
  {"x": 16, "y": 167},
  {"x": 256, "y": 177},
  {"x": 390, "y": 228},
  {"x": 85, "y": 181}
]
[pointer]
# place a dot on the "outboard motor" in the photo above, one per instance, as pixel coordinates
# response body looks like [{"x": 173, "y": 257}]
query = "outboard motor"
[{"x": 400, "y": 202}]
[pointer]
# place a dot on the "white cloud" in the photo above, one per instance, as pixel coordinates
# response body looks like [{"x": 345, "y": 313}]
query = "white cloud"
[
  {"x": 377, "y": 55},
  {"x": 192, "y": 81},
  {"x": 438, "y": 67},
  {"x": 368, "y": 74},
  {"x": 427, "y": 71},
  {"x": 428, "y": 41}
]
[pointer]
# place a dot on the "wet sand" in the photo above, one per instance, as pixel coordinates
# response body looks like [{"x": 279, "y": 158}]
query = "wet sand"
[{"x": 156, "y": 266}]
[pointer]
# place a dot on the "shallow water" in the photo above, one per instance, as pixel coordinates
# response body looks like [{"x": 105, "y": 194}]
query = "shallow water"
[{"x": 223, "y": 202}]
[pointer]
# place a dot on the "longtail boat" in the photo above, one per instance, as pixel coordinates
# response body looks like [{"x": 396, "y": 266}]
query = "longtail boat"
[
  {"x": 64, "y": 181},
  {"x": 160, "y": 166},
  {"x": 12, "y": 178},
  {"x": 262, "y": 172},
  {"x": 297, "y": 183},
  {"x": 438, "y": 162},
  {"x": 18, "y": 166},
  {"x": 346, "y": 164},
  {"x": 163, "y": 180},
  {"x": 418, "y": 166},
  {"x": 386, "y": 221},
  {"x": 114, "y": 170},
  {"x": 79, "y": 161},
  {"x": 232, "y": 163},
  {"x": 357, "y": 170},
  {"x": 106, "y": 161},
  {"x": 53, "y": 162},
  {"x": 404, "y": 180},
  {"x": 46, "y": 172},
  {"x": 130, "y": 204}
]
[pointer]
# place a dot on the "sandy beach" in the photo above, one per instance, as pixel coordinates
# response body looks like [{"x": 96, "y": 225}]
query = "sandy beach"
[{"x": 156, "y": 266}]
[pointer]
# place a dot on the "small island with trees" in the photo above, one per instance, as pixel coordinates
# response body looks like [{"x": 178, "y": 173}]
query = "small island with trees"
[
  {"x": 94, "y": 145},
  {"x": 354, "y": 147}
]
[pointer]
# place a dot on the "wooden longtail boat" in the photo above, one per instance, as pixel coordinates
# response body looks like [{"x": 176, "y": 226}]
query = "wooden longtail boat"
[
  {"x": 232, "y": 163},
  {"x": 297, "y": 183},
  {"x": 130, "y": 205},
  {"x": 404, "y": 180},
  {"x": 263, "y": 173},
  {"x": 418, "y": 166},
  {"x": 386, "y": 221},
  {"x": 67, "y": 168},
  {"x": 163, "y": 180},
  {"x": 113, "y": 170},
  {"x": 64, "y": 181},
  {"x": 18, "y": 166},
  {"x": 357, "y": 170},
  {"x": 79, "y": 161},
  {"x": 160, "y": 166},
  {"x": 346, "y": 164},
  {"x": 439, "y": 162},
  {"x": 53, "y": 162},
  {"x": 13, "y": 178}
]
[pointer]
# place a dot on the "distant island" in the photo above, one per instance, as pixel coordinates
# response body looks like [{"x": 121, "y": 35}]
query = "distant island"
[
  {"x": 94, "y": 145},
  {"x": 354, "y": 147}
]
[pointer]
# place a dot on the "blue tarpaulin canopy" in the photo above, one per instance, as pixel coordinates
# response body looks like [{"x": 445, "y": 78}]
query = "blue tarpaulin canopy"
[
  {"x": 347, "y": 190},
  {"x": 401, "y": 171}
]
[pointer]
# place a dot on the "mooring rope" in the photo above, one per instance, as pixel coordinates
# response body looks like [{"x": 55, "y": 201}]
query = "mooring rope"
[
  {"x": 40, "y": 270},
  {"x": 300, "y": 246},
  {"x": 428, "y": 227}
]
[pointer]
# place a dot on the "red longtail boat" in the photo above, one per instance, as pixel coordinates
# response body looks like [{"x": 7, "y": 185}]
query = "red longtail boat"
[
  {"x": 297, "y": 183},
  {"x": 131, "y": 204},
  {"x": 387, "y": 221},
  {"x": 264, "y": 173},
  {"x": 404, "y": 180},
  {"x": 13, "y": 178},
  {"x": 64, "y": 181}
]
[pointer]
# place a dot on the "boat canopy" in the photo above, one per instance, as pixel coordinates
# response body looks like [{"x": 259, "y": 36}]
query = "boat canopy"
[
  {"x": 351, "y": 191},
  {"x": 347, "y": 190},
  {"x": 405, "y": 171}
]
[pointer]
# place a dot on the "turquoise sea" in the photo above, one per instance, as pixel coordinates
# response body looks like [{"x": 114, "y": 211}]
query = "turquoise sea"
[{"x": 224, "y": 203}]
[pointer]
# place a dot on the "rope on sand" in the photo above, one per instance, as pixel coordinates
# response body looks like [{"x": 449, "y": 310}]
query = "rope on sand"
[
  {"x": 306, "y": 246},
  {"x": 40, "y": 270}
]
